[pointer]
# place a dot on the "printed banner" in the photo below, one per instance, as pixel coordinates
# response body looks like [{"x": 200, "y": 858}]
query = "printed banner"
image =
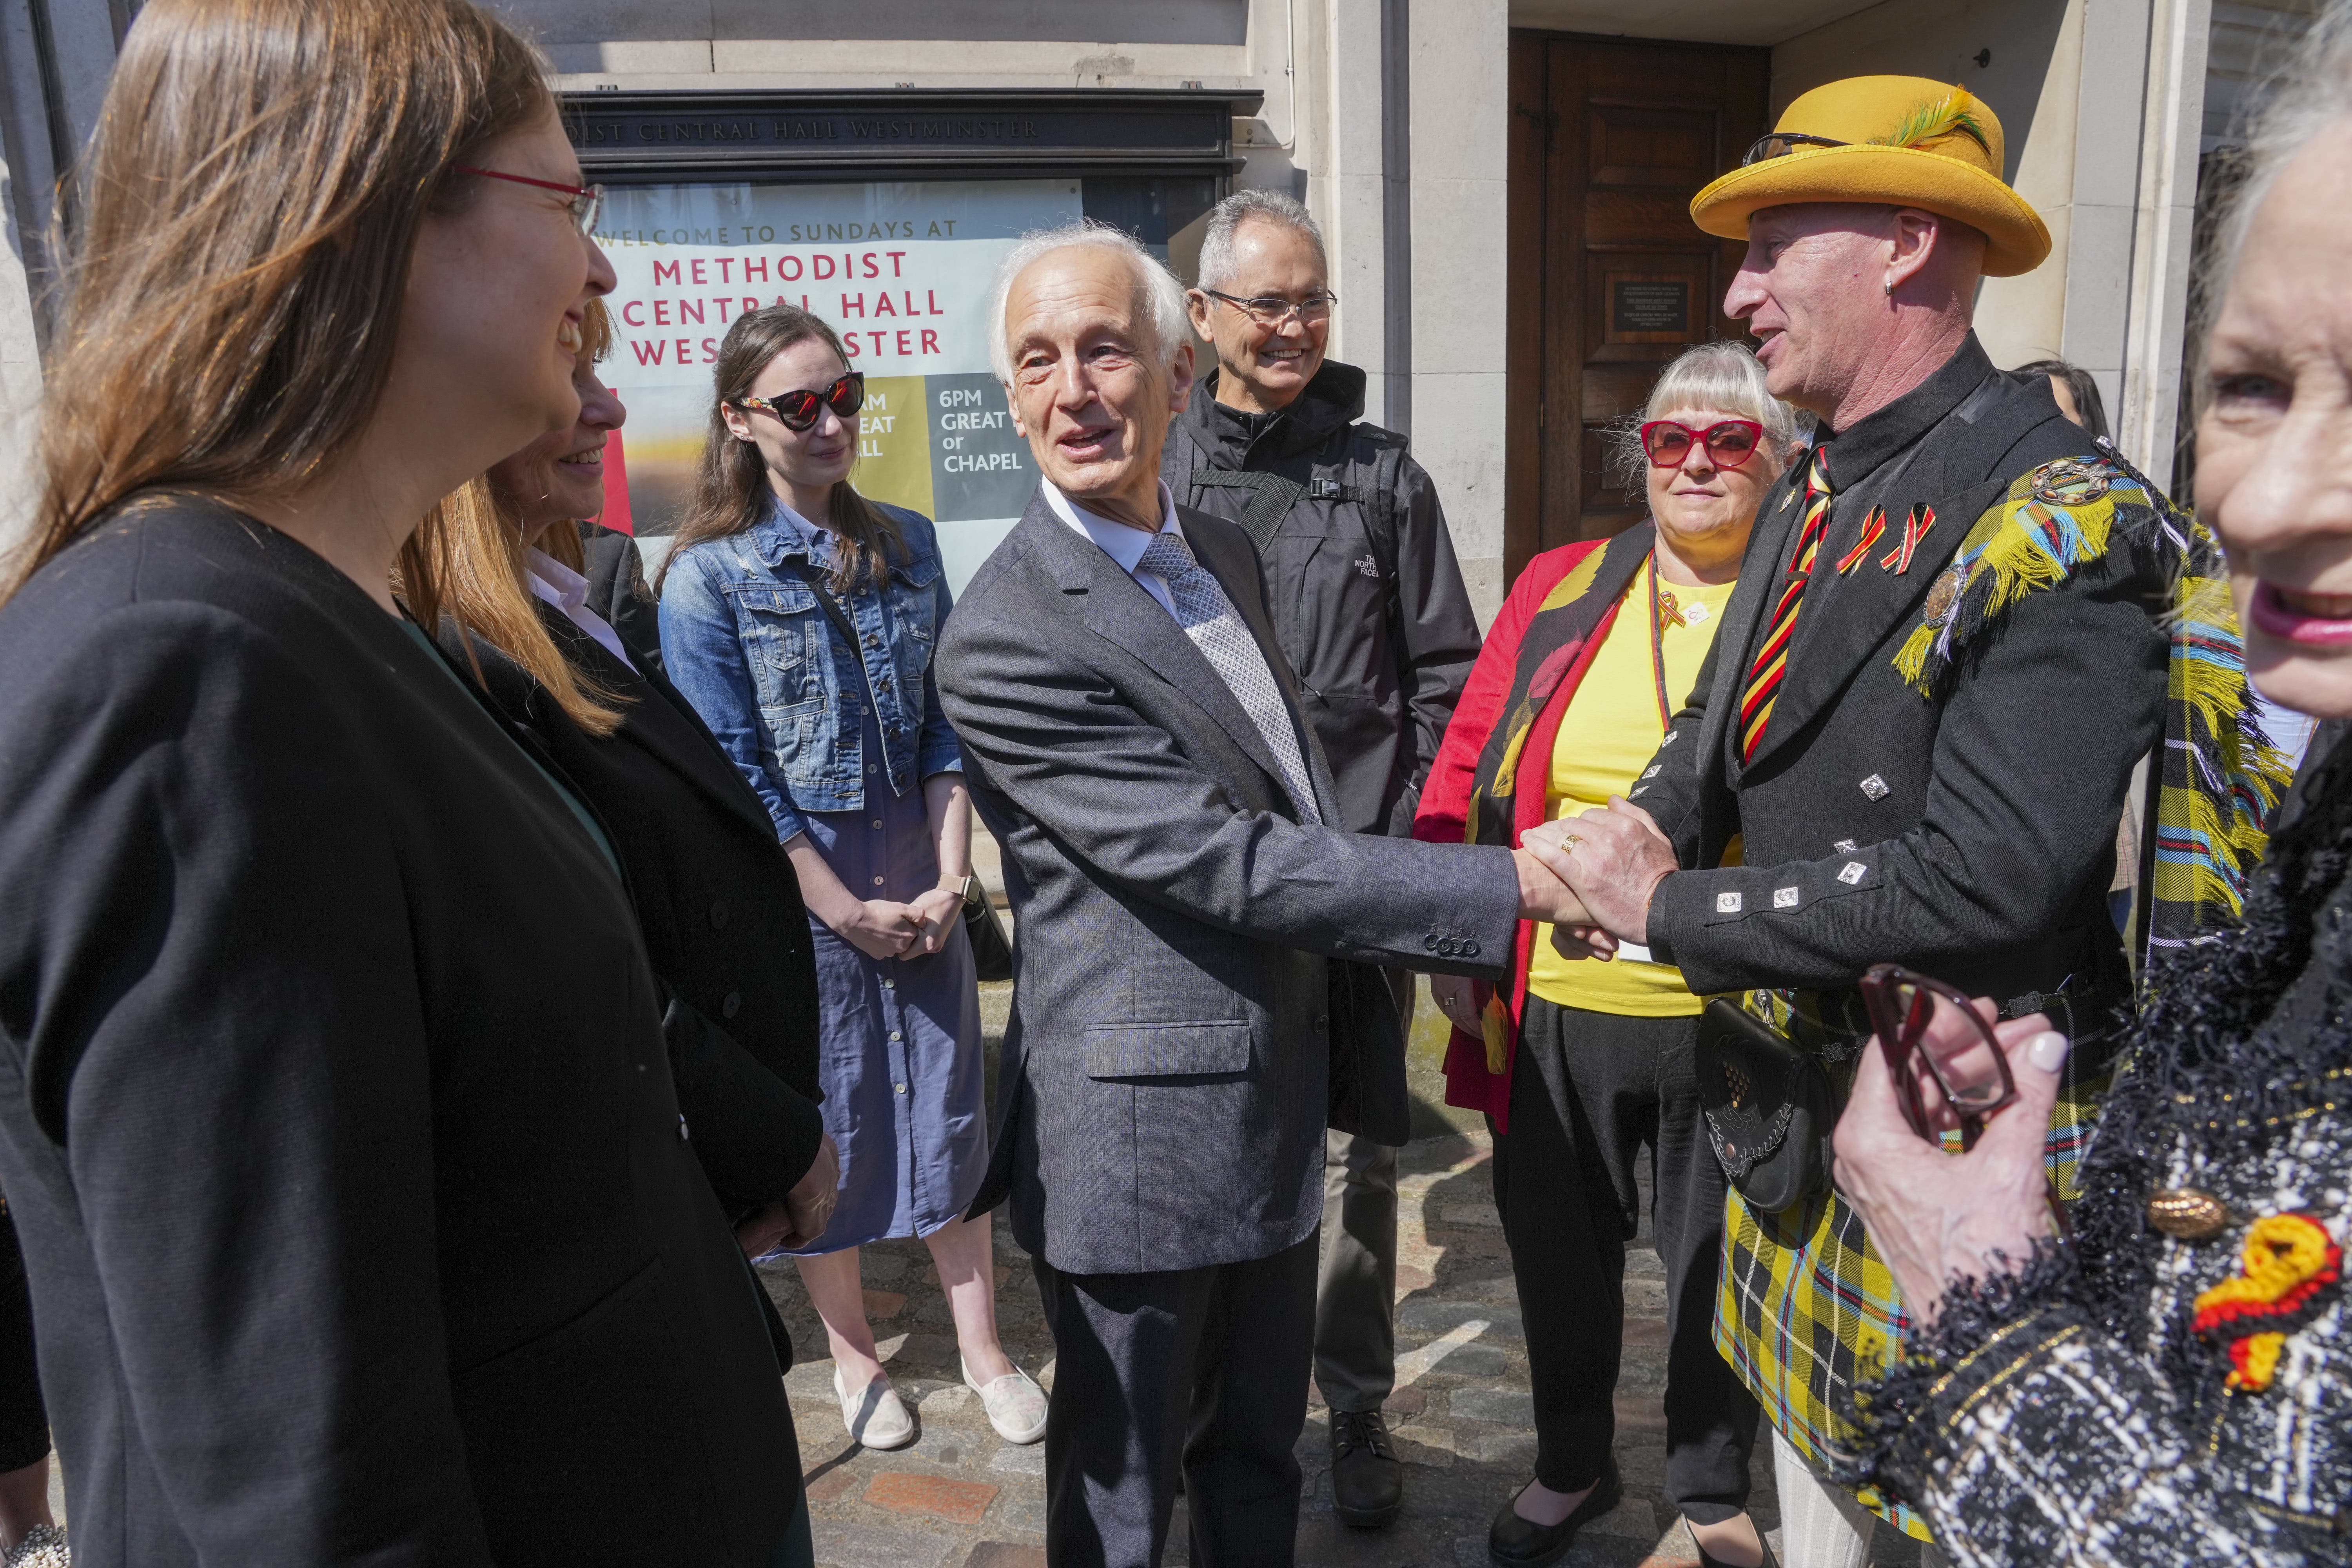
[{"x": 901, "y": 270}]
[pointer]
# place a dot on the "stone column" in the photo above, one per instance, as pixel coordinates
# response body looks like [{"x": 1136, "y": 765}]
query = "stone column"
[{"x": 1459, "y": 117}]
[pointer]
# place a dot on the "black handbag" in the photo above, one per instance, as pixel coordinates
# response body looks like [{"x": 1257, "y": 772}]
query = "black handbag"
[
  {"x": 1770, "y": 1107},
  {"x": 992, "y": 950}
]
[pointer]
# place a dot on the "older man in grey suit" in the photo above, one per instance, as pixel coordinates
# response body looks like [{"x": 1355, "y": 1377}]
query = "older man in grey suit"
[{"x": 1132, "y": 737}]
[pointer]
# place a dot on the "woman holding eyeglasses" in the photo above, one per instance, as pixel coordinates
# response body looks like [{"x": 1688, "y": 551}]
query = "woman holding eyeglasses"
[
  {"x": 799, "y": 618},
  {"x": 1578, "y": 1065}
]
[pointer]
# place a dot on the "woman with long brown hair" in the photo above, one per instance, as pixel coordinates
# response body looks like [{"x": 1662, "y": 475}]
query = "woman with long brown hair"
[
  {"x": 842, "y": 738},
  {"x": 335, "y": 1117}
]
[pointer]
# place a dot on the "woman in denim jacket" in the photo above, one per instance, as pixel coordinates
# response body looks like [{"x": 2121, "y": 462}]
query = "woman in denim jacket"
[{"x": 848, "y": 749}]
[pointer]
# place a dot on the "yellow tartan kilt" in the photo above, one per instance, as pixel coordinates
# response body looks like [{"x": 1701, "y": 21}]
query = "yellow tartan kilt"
[{"x": 1804, "y": 1307}]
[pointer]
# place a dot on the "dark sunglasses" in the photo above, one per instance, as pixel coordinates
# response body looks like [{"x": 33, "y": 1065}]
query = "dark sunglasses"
[
  {"x": 1972, "y": 1072},
  {"x": 1728, "y": 442},
  {"x": 796, "y": 411},
  {"x": 1780, "y": 143}
]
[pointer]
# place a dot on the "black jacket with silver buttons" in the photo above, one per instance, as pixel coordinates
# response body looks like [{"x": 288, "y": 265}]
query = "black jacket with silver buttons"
[{"x": 1971, "y": 837}]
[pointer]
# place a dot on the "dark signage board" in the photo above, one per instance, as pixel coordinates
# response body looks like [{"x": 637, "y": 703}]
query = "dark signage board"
[
  {"x": 1649, "y": 305},
  {"x": 802, "y": 135}
]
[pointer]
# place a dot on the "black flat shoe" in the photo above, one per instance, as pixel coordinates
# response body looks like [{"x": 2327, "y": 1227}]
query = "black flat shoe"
[
  {"x": 1708, "y": 1561},
  {"x": 1367, "y": 1479},
  {"x": 1515, "y": 1543}
]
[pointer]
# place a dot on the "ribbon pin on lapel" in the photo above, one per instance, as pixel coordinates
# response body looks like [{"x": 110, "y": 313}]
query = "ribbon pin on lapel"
[
  {"x": 2289, "y": 1259},
  {"x": 1898, "y": 560},
  {"x": 1871, "y": 527}
]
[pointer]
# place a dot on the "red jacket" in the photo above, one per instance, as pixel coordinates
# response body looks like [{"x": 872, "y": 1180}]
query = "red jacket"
[{"x": 1444, "y": 810}]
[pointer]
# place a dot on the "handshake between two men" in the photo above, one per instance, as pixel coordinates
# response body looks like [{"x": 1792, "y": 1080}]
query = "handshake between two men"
[{"x": 1605, "y": 867}]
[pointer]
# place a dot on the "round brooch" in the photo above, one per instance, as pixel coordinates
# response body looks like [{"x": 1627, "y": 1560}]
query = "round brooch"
[
  {"x": 1942, "y": 594},
  {"x": 2069, "y": 483}
]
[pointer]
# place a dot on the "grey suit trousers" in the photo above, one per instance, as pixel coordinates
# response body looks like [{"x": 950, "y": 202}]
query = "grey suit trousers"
[{"x": 1202, "y": 1370}]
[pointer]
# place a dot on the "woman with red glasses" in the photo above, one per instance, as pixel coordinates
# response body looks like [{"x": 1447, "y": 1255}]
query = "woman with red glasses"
[
  {"x": 1580, "y": 1064},
  {"x": 798, "y": 618}
]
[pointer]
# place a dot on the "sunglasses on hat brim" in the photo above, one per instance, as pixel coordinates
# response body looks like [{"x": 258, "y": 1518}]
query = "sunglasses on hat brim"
[{"x": 1780, "y": 143}]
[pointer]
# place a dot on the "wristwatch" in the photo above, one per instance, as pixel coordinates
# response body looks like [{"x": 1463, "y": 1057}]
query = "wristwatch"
[{"x": 960, "y": 886}]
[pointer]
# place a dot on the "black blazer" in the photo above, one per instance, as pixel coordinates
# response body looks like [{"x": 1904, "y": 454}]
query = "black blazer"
[
  {"x": 334, "y": 1113},
  {"x": 716, "y": 898},
  {"x": 617, "y": 591}
]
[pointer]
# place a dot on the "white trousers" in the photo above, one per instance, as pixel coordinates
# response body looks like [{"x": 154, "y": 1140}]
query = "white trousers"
[{"x": 1821, "y": 1526}]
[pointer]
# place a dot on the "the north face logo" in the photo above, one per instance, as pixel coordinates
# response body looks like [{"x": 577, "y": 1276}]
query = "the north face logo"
[{"x": 1369, "y": 567}]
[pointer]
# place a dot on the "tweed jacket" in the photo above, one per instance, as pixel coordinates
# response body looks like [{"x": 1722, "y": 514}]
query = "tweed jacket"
[
  {"x": 1164, "y": 1084},
  {"x": 2176, "y": 1386}
]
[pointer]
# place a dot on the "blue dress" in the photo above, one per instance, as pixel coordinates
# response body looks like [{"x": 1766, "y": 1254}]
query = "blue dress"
[{"x": 805, "y": 718}]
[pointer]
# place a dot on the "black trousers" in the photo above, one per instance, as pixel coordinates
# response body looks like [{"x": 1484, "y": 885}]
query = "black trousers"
[
  {"x": 1204, "y": 1369},
  {"x": 1589, "y": 1091},
  {"x": 24, "y": 1422}
]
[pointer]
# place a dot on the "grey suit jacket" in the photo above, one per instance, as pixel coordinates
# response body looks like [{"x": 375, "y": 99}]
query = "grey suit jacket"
[{"x": 1163, "y": 1087}]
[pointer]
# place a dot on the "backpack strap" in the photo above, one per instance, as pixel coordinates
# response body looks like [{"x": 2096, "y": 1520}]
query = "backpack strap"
[{"x": 1275, "y": 495}]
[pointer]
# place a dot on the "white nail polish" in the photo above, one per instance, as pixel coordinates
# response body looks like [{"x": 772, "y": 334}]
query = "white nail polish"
[{"x": 2047, "y": 1050}]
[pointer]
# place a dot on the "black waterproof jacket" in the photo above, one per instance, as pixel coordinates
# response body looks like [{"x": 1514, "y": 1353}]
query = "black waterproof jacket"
[{"x": 1367, "y": 600}]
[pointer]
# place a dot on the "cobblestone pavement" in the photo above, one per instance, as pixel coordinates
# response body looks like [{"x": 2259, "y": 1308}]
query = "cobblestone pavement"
[{"x": 959, "y": 1498}]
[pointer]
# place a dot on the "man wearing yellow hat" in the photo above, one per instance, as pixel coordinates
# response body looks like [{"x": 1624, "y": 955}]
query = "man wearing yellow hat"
[{"x": 1920, "y": 717}]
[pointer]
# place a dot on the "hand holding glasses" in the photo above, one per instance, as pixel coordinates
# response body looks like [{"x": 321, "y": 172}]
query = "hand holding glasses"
[
  {"x": 796, "y": 411},
  {"x": 1935, "y": 1037}
]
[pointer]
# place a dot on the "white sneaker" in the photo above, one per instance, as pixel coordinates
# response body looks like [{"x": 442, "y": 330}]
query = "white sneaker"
[
  {"x": 1015, "y": 1405},
  {"x": 875, "y": 1416}
]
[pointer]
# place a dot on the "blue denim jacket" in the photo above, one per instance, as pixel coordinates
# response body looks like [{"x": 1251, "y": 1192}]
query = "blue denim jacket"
[{"x": 750, "y": 646}]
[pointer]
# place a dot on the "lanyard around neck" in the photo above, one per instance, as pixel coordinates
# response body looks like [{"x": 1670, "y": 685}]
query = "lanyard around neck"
[{"x": 1663, "y": 611}]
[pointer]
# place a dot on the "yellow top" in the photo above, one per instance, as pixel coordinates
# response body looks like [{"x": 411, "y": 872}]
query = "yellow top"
[{"x": 1608, "y": 735}]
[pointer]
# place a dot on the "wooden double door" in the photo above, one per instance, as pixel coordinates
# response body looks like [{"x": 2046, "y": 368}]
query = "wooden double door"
[{"x": 1609, "y": 277}]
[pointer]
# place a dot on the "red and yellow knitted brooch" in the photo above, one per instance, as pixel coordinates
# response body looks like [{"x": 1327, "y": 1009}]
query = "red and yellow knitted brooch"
[{"x": 2289, "y": 1259}]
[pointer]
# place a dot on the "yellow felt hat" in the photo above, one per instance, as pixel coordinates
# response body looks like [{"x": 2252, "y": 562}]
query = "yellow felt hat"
[{"x": 1905, "y": 141}]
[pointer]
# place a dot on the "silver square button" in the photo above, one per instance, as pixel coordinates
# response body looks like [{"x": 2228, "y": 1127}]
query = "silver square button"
[
  {"x": 1844, "y": 846},
  {"x": 1851, "y": 872},
  {"x": 1876, "y": 787},
  {"x": 1726, "y": 903},
  {"x": 1784, "y": 897}
]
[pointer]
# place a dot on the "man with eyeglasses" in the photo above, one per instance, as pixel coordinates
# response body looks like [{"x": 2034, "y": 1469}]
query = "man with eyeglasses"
[
  {"x": 1369, "y": 605},
  {"x": 1918, "y": 723}
]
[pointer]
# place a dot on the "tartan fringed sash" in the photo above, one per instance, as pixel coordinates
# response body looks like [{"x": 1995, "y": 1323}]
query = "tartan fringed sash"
[
  {"x": 2219, "y": 778},
  {"x": 1555, "y": 639}
]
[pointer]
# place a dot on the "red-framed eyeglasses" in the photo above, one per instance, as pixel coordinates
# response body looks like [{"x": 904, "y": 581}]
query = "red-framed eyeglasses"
[
  {"x": 1970, "y": 1069},
  {"x": 796, "y": 411},
  {"x": 587, "y": 201},
  {"x": 1729, "y": 442}
]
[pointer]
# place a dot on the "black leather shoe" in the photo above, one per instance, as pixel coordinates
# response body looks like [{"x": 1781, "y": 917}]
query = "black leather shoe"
[
  {"x": 1708, "y": 1561},
  {"x": 1367, "y": 1479},
  {"x": 1515, "y": 1543}
]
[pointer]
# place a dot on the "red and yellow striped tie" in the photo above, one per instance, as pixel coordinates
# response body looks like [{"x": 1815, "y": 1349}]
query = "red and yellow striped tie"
[{"x": 1772, "y": 660}]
